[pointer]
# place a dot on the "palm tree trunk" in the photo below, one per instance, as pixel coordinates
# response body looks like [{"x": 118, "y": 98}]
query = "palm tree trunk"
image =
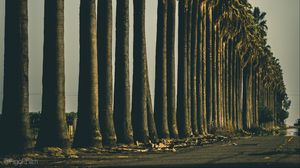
[
  {"x": 246, "y": 94},
  {"x": 227, "y": 85},
  {"x": 209, "y": 74},
  {"x": 199, "y": 84},
  {"x": 14, "y": 128},
  {"x": 194, "y": 43},
  {"x": 188, "y": 50},
  {"x": 219, "y": 75},
  {"x": 182, "y": 103},
  {"x": 150, "y": 115},
  {"x": 104, "y": 37},
  {"x": 171, "y": 102},
  {"x": 122, "y": 114},
  {"x": 87, "y": 132},
  {"x": 240, "y": 96},
  {"x": 230, "y": 84},
  {"x": 223, "y": 73},
  {"x": 234, "y": 87},
  {"x": 250, "y": 97},
  {"x": 204, "y": 66},
  {"x": 53, "y": 119},
  {"x": 214, "y": 67},
  {"x": 160, "y": 104},
  {"x": 139, "y": 91}
]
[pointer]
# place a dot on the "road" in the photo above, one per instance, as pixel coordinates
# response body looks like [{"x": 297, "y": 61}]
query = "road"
[{"x": 267, "y": 151}]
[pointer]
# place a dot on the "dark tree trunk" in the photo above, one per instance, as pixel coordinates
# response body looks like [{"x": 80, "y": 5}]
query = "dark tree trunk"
[
  {"x": 204, "y": 71},
  {"x": 182, "y": 103},
  {"x": 240, "y": 95},
  {"x": 53, "y": 126},
  {"x": 245, "y": 97},
  {"x": 14, "y": 128},
  {"x": 87, "y": 132},
  {"x": 188, "y": 57},
  {"x": 233, "y": 87},
  {"x": 150, "y": 115},
  {"x": 209, "y": 73},
  {"x": 230, "y": 87},
  {"x": 223, "y": 83},
  {"x": 219, "y": 77},
  {"x": 226, "y": 86},
  {"x": 160, "y": 104},
  {"x": 194, "y": 38},
  {"x": 139, "y": 95},
  {"x": 214, "y": 67},
  {"x": 171, "y": 105},
  {"x": 199, "y": 93},
  {"x": 104, "y": 46},
  {"x": 122, "y": 114}
]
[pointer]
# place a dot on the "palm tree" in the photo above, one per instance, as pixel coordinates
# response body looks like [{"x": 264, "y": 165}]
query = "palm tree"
[
  {"x": 203, "y": 68},
  {"x": 122, "y": 114},
  {"x": 188, "y": 23},
  {"x": 209, "y": 74},
  {"x": 194, "y": 43},
  {"x": 87, "y": 132},
  {"x": 150, "y": 114},
  {"x": 171, "y": 69},
  {"x": 199, "y": 64},
  {"x": 160, "y": 104},
  {"x": 104, "y": 45},
  {"x": 53, "y": 119},
  {"x": 139, "y": 90},
  {"x": 182, "y": 103},
  {"x": 16, "y": 135}
]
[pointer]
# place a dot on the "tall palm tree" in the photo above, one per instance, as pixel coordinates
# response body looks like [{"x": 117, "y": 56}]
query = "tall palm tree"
[
  {"x": 139, "y": 90},
  {"x": 171, "y": 106},
  {"x": 199, "y": 64},
  {"x": 194, "y": 43},
  {"x": 53, "y": 120},
  {"x": 209, "y": 74},
  {"x": 14, "y": 128},
  {"x": 188, "y": 50},
  {"x": 104, "y": 45},
  {"x": 87, "y": 132},
  {"x": 160, "y": 104},
  {"x": 182, "y": 103},
  {"x": 122, "y": 114}
]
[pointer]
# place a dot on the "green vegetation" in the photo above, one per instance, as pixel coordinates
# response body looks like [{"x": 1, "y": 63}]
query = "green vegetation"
[{"x": 265, "y": 115}]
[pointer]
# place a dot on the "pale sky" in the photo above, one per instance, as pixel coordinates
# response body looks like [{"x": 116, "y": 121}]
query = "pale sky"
[{"x": 283, "y": 36}]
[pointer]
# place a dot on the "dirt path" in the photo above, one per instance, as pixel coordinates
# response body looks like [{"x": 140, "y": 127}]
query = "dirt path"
[{"x": 268, "y": 151}]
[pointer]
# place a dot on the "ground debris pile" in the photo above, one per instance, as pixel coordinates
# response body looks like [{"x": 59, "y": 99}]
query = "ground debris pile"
[{"x": 163, "y": 145}]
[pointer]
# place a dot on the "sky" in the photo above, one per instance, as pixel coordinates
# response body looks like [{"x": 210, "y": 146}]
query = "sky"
[{"x": 283, "y": 36}]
